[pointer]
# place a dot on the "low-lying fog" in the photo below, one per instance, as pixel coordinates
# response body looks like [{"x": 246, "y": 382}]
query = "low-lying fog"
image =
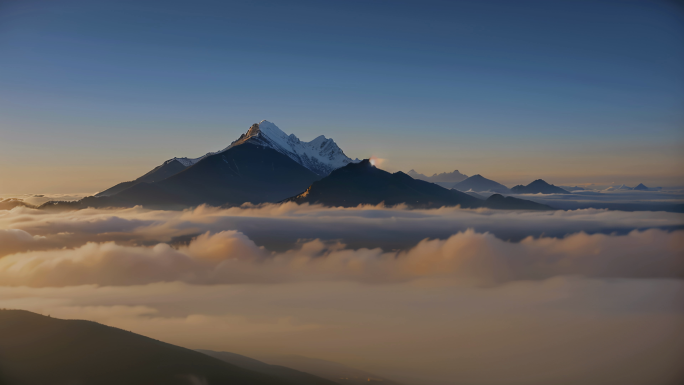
[{"x": 420, "y": 296}]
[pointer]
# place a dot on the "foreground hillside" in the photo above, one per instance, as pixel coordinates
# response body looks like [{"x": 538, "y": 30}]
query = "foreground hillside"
[
  {"x": 293, "y": 376},
  {"x": 37, "y": 350}
]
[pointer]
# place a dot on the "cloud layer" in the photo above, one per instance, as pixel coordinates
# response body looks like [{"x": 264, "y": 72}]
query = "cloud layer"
[
  {"x": 231, "y": 257},
  {"x": 430, "y": 297}
]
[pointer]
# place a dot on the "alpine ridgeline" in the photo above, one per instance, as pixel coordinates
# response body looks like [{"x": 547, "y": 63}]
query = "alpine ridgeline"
[{"x": 321, "y": 155}]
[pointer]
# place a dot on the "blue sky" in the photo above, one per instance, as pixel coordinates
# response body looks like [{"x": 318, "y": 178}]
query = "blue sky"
[{"x": 95, "y": 92}]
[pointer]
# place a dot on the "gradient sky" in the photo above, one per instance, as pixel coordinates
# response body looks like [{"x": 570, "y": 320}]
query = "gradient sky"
[{"x": 96, "y": 92}]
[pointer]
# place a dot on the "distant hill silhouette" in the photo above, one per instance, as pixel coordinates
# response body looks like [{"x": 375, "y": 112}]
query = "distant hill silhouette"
[
  {"x": 641, "y": 187},
  {"x": 295, "y": 377},
  {"x": 445, "y": 177},
  {"x": 37, "y": 350},
  {"x": 333, "y": 371},
  {"x": 537, "y": 187},
  {"x": 479, "y": 183},
  {"x": 363, "y": 183}
]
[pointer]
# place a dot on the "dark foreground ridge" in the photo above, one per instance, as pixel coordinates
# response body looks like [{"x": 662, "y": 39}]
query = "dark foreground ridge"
[
  {"x": 363, "y": 183},
  {"x": 282, "y": 372},
  {"x": 36, "y": 350},
  {"x": 159, "y": 173}
]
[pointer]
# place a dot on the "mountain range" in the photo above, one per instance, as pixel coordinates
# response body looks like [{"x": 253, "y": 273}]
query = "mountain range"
[
  {"x": 639, "y": 187},
  {"x": 319, "y": 156},
  {"x": 363, "y": 183},
  {"x": 266, "y": 165},
  {"x": 442, "y": 178},
  {"x": 263, "y": 165}
]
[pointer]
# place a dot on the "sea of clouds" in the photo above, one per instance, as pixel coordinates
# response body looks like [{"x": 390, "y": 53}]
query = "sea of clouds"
[{"x": 422, "y": 296}]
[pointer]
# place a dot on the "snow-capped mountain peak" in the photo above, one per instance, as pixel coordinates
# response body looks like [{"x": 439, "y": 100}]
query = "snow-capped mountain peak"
[{"x": 321, "y": 155}]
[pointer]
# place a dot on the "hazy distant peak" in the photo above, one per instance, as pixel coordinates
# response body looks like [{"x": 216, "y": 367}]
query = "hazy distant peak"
[
  {"x": 539, "y": 186},
  {"x": 479, "y": 183},
  {"x": 445, "y": 177}
]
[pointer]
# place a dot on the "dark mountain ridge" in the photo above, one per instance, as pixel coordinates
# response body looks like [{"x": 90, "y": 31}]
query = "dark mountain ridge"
[
  {"x": 479, "y": 183},
  {"x": 539, "y": 186},
  {"x": 36, "y": 350},
  {"x": 363, "y": 183}
]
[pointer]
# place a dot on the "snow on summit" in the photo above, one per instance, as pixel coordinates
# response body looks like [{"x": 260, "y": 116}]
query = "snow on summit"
[{"x": 321, "y": 155}]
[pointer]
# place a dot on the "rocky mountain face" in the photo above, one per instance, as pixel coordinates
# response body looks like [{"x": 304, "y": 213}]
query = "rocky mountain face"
[{"x": 321, "y": 155}]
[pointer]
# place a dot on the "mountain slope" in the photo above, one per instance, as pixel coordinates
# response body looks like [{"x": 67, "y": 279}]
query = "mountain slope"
[
  {"x": 36, "y": 349},
  {"x": 479, "y": 183},
  {"x": 244, "y": 173},
  {"x": 538, "y": 187},
  {"x": 363, "y": 183},
  {"x": 327, "y": 369},
  {"x": 295, "y": 377},
  {"x": 641, "y": 187},
  {"x": 167, "y": 169}
]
